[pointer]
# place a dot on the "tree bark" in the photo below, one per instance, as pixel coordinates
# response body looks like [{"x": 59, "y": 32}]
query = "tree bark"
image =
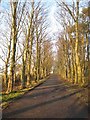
[
  {"x": 78, "y": 67},
  {"x": 13, "y": 46}
]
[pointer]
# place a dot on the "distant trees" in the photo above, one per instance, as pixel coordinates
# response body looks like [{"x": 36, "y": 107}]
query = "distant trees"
[
  {"x": 73, "y": 44},
  {"x": 29, "y": 53},
  {"x": 34, "y": 42}
]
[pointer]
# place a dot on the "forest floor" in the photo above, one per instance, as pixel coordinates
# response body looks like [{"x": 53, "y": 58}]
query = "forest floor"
[{"x": 55, "y": 98}]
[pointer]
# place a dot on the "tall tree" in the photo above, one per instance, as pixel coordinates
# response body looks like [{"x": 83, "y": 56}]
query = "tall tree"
[{"x": 13, "y": 45}]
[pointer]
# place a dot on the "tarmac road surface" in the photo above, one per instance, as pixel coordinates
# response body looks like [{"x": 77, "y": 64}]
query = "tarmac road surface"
[{"x": 52, "y": 99}]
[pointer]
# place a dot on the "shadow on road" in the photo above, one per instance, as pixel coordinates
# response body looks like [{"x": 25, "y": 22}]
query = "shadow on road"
[
  {"x": 25, "y": 109},
  {"x": 48, "y": 90}
]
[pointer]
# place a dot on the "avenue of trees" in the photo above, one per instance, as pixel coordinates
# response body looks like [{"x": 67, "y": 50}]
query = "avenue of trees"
[
  {"x": 25, "y": 45},
  {"x": 26, "y": 48},
  {"x": 73, "y": 45}
]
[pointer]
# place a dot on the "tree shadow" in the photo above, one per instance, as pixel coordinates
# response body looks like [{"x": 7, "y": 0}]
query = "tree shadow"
[
  {"x": 54, "y": 89},
  {"x": 51, "y": 90},
  {"x": 82, "y": 112},
  {"x": 51, "y": 86},
  {"x": 31, "y": 107},
  {"x": 77, "y": 109}
]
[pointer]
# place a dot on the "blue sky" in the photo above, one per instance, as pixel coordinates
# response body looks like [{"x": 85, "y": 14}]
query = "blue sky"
[
  {"x": 51, "y": 4},
  {"x": 53, "y": 27}
]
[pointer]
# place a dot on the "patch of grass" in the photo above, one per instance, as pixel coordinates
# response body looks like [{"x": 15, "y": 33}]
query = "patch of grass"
[
  {"x": 10, "y": 96},
  {"x": 6, "y": 98}
]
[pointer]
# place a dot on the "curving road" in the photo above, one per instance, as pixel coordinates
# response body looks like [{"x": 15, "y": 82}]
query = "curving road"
[{"x": 53, "y": 99}]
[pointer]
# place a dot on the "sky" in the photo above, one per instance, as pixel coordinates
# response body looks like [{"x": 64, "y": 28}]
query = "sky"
[
  {"x": 51, "y": 4},
  {"x": 53, "y": 27},
  {"x": 52, "y": 8}
]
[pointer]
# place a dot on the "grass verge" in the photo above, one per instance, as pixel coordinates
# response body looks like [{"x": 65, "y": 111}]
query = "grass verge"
[{"x": 8, "y": 98}]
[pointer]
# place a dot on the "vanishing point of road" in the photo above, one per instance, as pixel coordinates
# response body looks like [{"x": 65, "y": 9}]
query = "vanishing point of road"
[{"x": 52, "y": 99}]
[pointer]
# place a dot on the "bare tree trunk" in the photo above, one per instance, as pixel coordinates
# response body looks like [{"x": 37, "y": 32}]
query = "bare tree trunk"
[
  {"x": 88, "y": 58},
  {"x": 78, "y": 67},
  {"x": 37, "y": 54},
  {"x": 31, "y": 44},
  {"x": 23, "y": 78},
  {"x": 13, "y": 47}
]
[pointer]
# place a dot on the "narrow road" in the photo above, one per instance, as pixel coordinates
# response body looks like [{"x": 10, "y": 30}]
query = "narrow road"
[{"x": 52, "y": 99}]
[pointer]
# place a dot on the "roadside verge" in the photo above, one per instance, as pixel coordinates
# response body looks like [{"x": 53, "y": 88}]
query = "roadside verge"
[{"x": 7, "y": 99}]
